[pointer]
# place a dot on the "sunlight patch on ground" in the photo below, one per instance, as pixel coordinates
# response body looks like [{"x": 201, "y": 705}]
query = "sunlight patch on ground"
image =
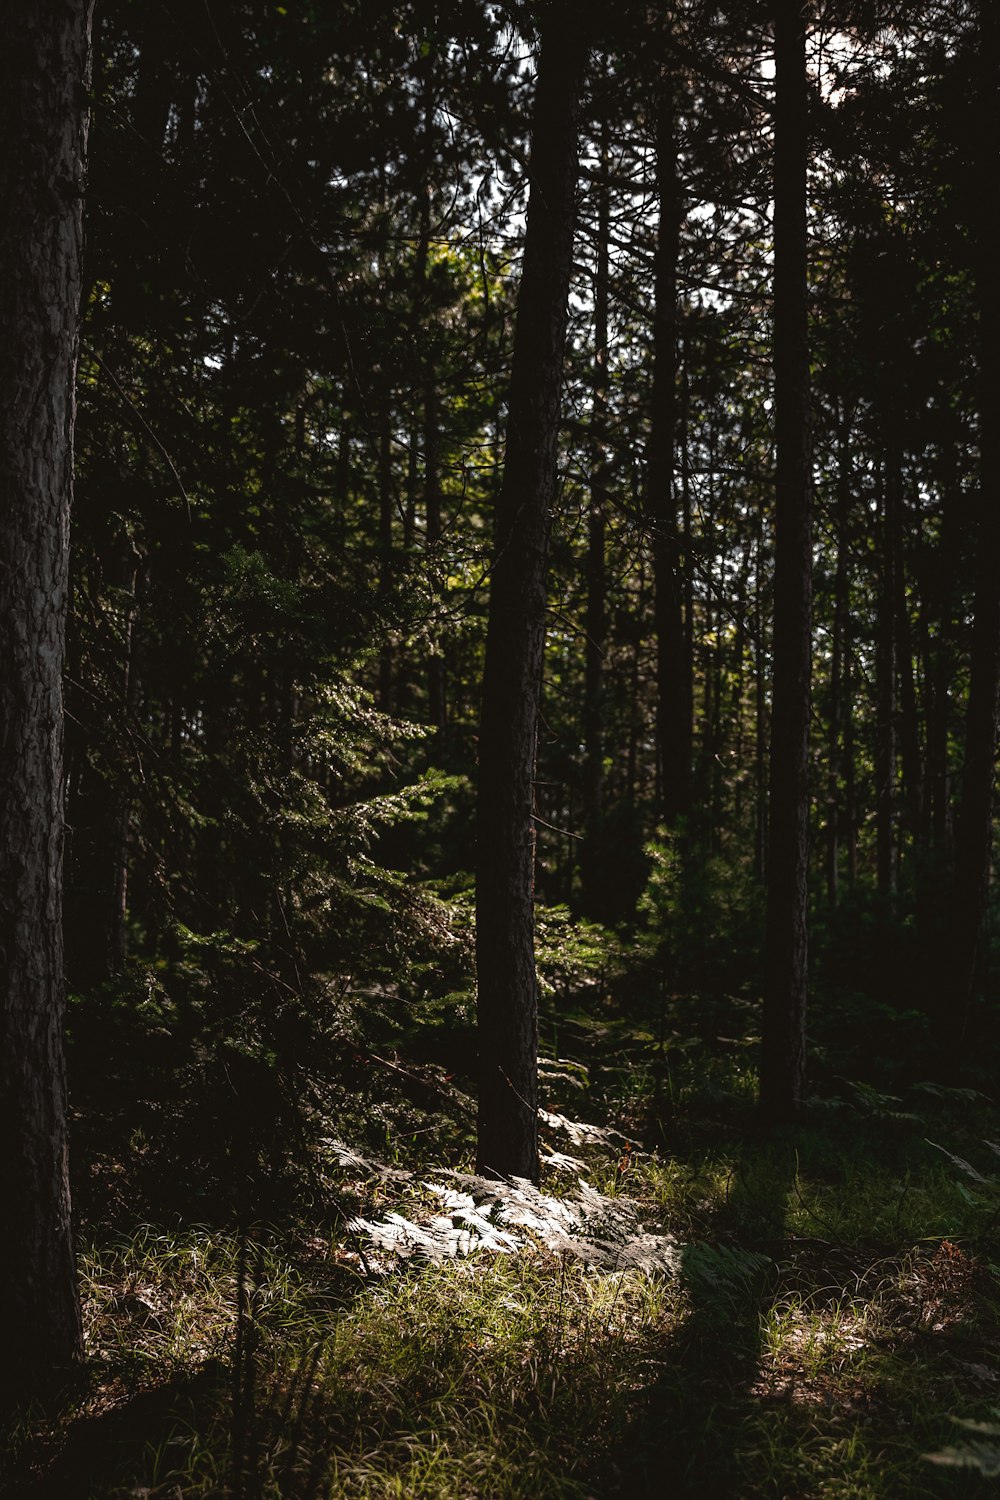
[{"x": 813, "y": 1357}]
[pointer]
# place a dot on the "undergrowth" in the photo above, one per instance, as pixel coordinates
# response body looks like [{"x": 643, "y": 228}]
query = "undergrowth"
[{"x": 815, "y": 1316}]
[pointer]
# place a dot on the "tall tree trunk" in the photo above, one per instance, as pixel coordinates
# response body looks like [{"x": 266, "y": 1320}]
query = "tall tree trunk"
[
  {"x": 911, "y": 757},
  {"x": 737, "y": 717},
  {"x": 975, "y": 829},
  {"x": 673, "y": 670},
  {"x": 898, "y": 725},
  {"x": 436, "y": 706},
  {"x": 850, "y": 771},
  {"x": 760, "y": 708},
  {"x": 783, "y": 1039},
  {"x": 44, "y": 76},
  {"x": 841, "y": 607},
  {"x": 885, "y": 701},
  {"x": 686, "y": 525},
  {"x": 432, "y": 436},
  {"x": 937, "y": 648},
  {"x": 413, "y": 485},
  {"x": 596, "y": 612},
  {"x": 635, "y": 715},
  {"x": 385, "y": 557},
  {"x": 508, "y": 993}
]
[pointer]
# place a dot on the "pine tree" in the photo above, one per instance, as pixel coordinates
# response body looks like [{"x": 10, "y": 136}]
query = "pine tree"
[{"x": 44, "y": 74}]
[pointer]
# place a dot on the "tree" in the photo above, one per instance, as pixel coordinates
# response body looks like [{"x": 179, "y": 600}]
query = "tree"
[
  {"x": 783, "y": 1040},
  {"x": 43, "y": 80},
  {"x": 512, "y": 674}
]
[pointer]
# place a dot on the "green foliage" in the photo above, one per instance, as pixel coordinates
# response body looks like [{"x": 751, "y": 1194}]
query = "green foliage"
[
  {"x": 810, "y": 1366},
  {"x": 981, "y": 1454},
  {"x": 716, "y": 1270}
]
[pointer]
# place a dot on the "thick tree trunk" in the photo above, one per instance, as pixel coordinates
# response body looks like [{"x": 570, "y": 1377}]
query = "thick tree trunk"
[
  {"x": 44, "y": 75},
  {"x": 508, "y": 998},
  {"x": 783, "y": 1040},
  {"x": 673, "y": 665}
]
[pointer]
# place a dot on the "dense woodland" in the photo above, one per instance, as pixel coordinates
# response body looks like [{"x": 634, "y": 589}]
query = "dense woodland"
[{"x": 500, "y": 614}]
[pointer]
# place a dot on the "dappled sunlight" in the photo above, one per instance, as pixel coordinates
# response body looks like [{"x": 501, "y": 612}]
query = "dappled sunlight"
[{"x": 814, "y": 1356}]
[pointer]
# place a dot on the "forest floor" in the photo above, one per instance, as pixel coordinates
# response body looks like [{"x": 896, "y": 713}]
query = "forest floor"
[{"x": 827, "y": 1323}]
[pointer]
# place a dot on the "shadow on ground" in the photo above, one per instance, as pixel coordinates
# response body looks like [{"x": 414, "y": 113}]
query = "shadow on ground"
[
  {"x": 120, "y": 1445},
  {"x": 685, "y": 1435},
  {"x": 731, "y": 1417}
]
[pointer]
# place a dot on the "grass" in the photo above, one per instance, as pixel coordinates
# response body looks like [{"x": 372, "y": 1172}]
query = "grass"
[{"x": 834, "y": 1309}]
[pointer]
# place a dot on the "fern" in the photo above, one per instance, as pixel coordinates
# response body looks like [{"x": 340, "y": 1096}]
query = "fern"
[
  {"x": 967, "y": 1168},
  {"x": 982, "y": 1454},
  {"x": 506, "y": 1217},
  {"x": 716, "y": 1268},
  {"x": 581, "y": 1133}
]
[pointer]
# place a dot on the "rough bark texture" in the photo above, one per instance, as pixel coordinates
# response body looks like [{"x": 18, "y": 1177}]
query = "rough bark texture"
[
  {"x": 508, "y": 1001},
  {"x": 783, "y": 1049},
  {"x": 44, "y": 65}
]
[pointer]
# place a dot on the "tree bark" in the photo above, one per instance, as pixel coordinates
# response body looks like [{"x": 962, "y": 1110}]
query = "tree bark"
[
  {"x": 508, "y": 997},
  {"x": 783, "y": 1036},
  {"x": 44, "y": 76}
]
